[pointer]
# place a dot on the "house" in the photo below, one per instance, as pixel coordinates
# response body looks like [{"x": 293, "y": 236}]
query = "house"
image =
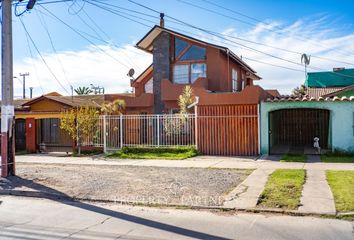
[
  {"x": 289, "y": 124},
  {"x": 339, "y": 82},
  {"x": 216, "y": 74},
  {"x": 227, "y": 110}
]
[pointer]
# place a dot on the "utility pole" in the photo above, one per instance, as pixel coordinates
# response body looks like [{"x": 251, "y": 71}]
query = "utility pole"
[
  {"x": 7, "y": 106},
  {"x": 31, "y": 92},
  {"x": 24, "y": 75}
]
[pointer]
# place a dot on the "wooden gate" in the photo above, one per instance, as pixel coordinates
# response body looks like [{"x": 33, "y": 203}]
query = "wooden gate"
[{"x": 229, "y": 130}]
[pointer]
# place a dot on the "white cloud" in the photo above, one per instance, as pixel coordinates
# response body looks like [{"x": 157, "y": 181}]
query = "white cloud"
[
  {"x": 82, "y": 68},
  {"x": 323, "y": 41},
  {"x": 92, "y": 66}
]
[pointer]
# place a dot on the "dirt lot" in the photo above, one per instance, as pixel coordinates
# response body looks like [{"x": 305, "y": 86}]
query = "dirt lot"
[{"x": 154, "y": 185}]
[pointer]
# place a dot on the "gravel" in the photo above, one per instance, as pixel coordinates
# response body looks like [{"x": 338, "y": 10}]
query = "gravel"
[{"x": 146, "y": 185}]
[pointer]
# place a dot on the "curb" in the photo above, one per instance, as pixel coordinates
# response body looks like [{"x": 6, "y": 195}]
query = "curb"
[{"x": 53, "y": 196}]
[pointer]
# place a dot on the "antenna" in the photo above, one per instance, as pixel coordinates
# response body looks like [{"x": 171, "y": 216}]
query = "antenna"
[
  {"x": 131, "y": 73},
  {"x": 305, "y": 59}
]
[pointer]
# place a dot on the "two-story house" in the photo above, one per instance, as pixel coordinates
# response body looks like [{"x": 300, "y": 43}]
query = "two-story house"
[{"x": 216, "y": 74}]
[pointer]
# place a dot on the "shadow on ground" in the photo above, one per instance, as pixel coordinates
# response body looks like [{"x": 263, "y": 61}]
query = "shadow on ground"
[{"x": 9, "y": 185}]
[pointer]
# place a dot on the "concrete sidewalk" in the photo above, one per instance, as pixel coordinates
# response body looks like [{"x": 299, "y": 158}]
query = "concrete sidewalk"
[{"x": 198, "y": 162}]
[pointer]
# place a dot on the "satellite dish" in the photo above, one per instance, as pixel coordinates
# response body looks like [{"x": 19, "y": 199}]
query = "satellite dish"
[{"x": 131, "y": 72}]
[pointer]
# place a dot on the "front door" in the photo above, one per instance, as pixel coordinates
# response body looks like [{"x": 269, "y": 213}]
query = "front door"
[{"x": 20, "y": 135}]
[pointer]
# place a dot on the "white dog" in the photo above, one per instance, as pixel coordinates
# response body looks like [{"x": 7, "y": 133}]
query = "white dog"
[{"x": 316, "y": 144}]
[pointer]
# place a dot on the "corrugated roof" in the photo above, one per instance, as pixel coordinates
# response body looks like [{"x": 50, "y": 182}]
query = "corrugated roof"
[
  {"x": 308, "y": 99},
  {"x": 340, "y": 78},
  {"x": 319, "y": 92}
]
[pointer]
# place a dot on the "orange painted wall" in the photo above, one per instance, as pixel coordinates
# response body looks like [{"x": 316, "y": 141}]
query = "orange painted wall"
[
  {"x": 46, "y": 105},
  {"x": 31, "y": 135}
]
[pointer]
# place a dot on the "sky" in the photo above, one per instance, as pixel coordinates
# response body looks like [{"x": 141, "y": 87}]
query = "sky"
[{"x": 78, "y": 43}]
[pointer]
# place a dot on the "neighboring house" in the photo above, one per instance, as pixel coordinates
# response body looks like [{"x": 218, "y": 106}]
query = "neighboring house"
[
  {"x": 340, "y": 82},
  {"x": 289, "y": 124}
]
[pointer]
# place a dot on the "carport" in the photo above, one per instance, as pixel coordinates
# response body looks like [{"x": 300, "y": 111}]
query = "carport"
[
  {"x": 289, "y": 124},
  {"x": 293, "y": 130}
]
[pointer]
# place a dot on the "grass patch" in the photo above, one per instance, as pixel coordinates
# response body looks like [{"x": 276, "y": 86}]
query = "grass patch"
[
  {"x": 169, "y": 153},
  {"x": 283, "y": 189},
  {"x": 329, "y": 158},
  {"x": 342, "y": 186},
  {"x": 85, "y": 153},
  {"x": 293, "y": 158}
]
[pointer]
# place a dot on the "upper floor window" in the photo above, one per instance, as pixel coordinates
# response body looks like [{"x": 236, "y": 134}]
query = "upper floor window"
[
  {"x": 149, "y": 85},
  {"x": 188, "y": 73},
  {"x": 185, "y": 51},
  {"x": 234, "y": 80},
  {"x": 180, "y": 45}
]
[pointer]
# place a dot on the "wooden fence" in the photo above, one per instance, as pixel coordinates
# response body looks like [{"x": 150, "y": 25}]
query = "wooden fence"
[{"x": 230, "y": 130}]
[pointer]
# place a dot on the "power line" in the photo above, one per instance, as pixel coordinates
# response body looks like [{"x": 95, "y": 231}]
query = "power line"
[
  {"x": 257, "y": 20},
  {"x": 39, "y": 53},
  {"x": 239, "y": 44},
  {"x": 53, "y": 47},
  {"x": 101, "y": 38},
  {"x": 225, "y": 35},
  {"x": 32, "y": 61},
  {"x": 81, "y": 35}
]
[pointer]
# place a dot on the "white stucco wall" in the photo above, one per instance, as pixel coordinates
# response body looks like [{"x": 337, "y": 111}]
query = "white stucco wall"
[{"x": 341, "y": 121}]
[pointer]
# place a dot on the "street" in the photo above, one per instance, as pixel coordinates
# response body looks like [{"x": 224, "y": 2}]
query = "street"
[{"x": 31, "y": 218}]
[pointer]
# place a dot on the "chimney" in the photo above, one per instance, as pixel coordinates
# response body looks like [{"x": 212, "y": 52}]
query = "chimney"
[
  {"x": 337, "y": 69},
  {"x": 162, "y": 21}
]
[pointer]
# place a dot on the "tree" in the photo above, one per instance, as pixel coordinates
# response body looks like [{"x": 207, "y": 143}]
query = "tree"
[
  {"x": 185, "y": 99},
  {"x": 177, "y": 125},
  {"x": 79, "y": 122},
  {"x": 83, "y": 90},
  {"x": 115, "y": 107},
  {"x": 299, "y": 91}
]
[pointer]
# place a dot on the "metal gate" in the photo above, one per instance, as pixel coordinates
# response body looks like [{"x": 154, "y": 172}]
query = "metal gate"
[{"x": 295, "y": 129}]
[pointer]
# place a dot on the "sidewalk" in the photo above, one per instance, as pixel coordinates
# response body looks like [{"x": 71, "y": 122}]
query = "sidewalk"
[{"x": 197, "y": 162}]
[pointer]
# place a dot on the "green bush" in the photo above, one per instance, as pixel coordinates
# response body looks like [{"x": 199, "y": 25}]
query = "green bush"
[{"x": 155, "y": 152}]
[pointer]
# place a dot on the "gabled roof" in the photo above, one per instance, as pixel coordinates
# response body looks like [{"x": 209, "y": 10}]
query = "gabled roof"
[
  {"x": 319, "y": 92},
  {"x": 71, "y": 101},
  {"x": 340, "y": 92},
  {"x": 339, "y": 78},
  {"x": 146, "y": 44}
]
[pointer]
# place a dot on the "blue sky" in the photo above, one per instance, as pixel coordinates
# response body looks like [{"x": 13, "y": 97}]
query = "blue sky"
[{"x": 78, "y": 62}]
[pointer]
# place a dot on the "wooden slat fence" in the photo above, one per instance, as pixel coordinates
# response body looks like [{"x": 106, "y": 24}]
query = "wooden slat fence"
[{"x": 228, "y": 130}]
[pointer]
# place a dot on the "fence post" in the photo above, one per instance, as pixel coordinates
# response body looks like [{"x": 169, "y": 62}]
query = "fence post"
[
  {"x": 121, "y": 130},
  {"x": 196, "y": 126},
  {"x": 158, "y": 130},
  {"x": 104, "y": 134}
]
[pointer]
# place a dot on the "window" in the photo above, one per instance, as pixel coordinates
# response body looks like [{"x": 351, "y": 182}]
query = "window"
[
  {"x": 181, "y": 73},
  {"x": 180, "y": 45},
  {"x": 234, "y": 80},
  {"x": 149, "y": 85},
  {"x": 188, "y": 73},
  {"x": 194, "y": 53},
  {"x": 197, "y": 70}
]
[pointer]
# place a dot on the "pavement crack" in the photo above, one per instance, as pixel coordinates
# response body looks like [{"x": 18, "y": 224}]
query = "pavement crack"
[{"x": 86, "y": 228}]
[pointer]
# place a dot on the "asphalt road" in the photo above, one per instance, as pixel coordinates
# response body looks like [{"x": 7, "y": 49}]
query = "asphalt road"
[{"x": 29, "y": 218}]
